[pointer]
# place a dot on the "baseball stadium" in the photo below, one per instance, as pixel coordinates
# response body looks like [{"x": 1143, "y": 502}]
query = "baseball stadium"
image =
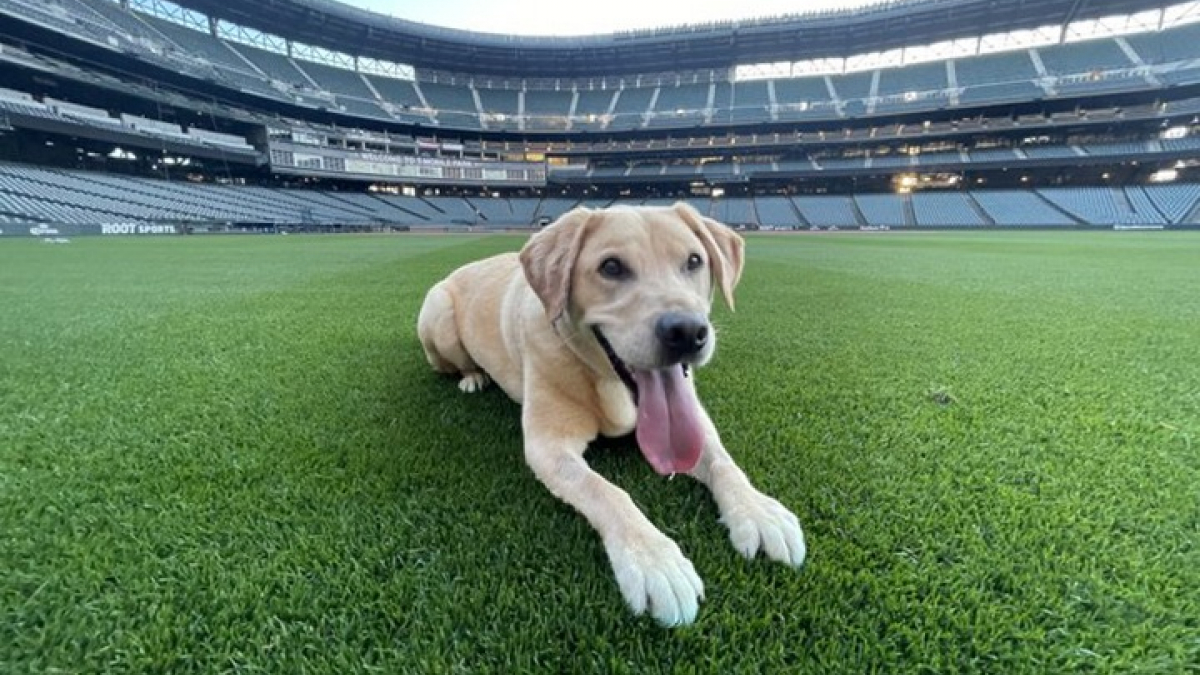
[{"x": 963, "y": 351}]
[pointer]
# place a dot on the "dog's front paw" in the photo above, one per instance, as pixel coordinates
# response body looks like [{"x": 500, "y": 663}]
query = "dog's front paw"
[
  {"x": 758, "y": 522},
  {"x": 655, "y": 576}
]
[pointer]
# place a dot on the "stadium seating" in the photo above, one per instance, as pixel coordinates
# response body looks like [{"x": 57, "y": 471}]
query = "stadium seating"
[
  {"x": 196, "y": 44},
  {"x": 554, "y": 207},
  {"x": 123, "y": 21},
  {"x": 1091, "y": 66},
  {"x": 1117, "y": 149},
  {"x": 592, "y": 108},
  {"x": 1176, "y": 202},
  {"x": 1141, "y": 204},
  {"x": 854, "y": 92},
  {"x": 1050, "y": 151},
  {"x": 548, "y": 110},
  {"x": 681, "y": 170},
  {"x": 735, "y": 211},
  {"x": 892, "y": 161},
  {"x": 39, "y": 195},
  {"x": 997, "y": 78},
  {"x": 453, "y": 210},
  {"x": 524, "y": 210},
  {"x": 501, "y": 107},
  {"x": 803, "y": 98},
  {"x": 827, "y": 211},
  {"x": 919, "y": 86},
  {"x": 455, "y": 105},
  {"x": 631, "y": 107},
  {"x": 1079, "y": 68},
  {"x": 1190, "y": 144},
  {"x": 681, "y": 106},
  {"x": 923, "y": 77},
  {"x": 339, "y": 81},
  {"x": 883, "y": 210},
  {"x": 53, "y": 14},
  {"x": 946, "y": 159},
  {"x": 946, "y": 209},
  {"x": 20, "y": 102},
  {"x": 1084, "y": 57},
  {"x": 852, "y": 87},
  {"x": 622, "y": 171},
  {"x": 1020, "y": 208},
  {"x": 742, "y": 102},
  {"x": 403, "y": 97},
  {"x": 777, "y": 212},
  {"x": 1001, "y": 155},
  {"x": 645, "y": 170},
  {"x": 495, "y": 212},
  {"x": 275, "y": 66},
  {"x": 1169, "y": 46},
  {"x": 1103, "y": 206},
  {"x": 464, "y": 111},
  {"x": 841, "y": 163},
  {"x": 360, "y": 107}
]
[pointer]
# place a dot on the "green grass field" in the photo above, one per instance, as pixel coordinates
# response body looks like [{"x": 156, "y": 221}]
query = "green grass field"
[{"x": 228, "y": 455}]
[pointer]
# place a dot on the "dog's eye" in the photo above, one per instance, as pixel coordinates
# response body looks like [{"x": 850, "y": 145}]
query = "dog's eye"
[
  {"x": 694, "y": 262},
  {"x": 613, "y": 268}
]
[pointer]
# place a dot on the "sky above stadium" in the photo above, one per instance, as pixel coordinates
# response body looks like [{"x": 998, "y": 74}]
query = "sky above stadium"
[{"x": 574, "y": 17}]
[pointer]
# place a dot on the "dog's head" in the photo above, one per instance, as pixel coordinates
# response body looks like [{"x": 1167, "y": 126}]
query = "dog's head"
[{"x": 641, "y": 281}]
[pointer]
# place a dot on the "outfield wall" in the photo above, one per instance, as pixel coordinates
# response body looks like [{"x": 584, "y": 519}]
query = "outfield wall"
[{"x": 18, "y": 229}]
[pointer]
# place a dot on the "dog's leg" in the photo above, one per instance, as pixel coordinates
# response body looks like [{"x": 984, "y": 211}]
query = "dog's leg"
[
  {"x": 755, "y": 521},
  {"x": 438, "y": 332},
  {"x": 652, "y": 573}
]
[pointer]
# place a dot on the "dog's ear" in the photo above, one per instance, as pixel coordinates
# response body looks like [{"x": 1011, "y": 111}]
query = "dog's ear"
[
  {"x": 725, "y": 248},
  {"x": 548, "y": 259}
]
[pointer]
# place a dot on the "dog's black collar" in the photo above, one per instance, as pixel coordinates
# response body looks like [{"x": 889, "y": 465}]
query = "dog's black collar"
[{"x": 619, "y": 366}]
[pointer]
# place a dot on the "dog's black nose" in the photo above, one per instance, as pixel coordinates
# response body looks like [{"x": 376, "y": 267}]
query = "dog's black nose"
[{"x": 681, "y": 334}]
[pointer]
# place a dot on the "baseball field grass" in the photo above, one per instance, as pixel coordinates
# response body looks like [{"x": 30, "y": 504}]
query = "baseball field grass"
[{"x": 228, "y": 455}]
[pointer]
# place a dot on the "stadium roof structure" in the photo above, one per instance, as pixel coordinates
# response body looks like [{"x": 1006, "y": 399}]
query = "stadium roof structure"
[{"x": 340, "y": 27}]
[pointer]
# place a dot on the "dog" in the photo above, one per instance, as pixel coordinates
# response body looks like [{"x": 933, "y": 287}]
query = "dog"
[{"x": 597, "y": 327}]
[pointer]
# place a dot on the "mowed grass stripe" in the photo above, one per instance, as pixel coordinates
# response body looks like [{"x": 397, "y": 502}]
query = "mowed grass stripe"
[{"x": 228, "y": 455}]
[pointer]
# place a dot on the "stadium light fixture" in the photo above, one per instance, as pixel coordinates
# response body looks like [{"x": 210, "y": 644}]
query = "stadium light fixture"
[
  {"x": 1164, "y": 176},
  {"x": 1175, "y": 132}
]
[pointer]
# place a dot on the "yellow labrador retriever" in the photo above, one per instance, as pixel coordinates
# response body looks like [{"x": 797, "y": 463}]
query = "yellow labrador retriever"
[{"x": 596, "y": 327}]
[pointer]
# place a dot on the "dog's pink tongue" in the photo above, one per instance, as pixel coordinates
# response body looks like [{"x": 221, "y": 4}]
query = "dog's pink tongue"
[{"x": 668, "y": 428}]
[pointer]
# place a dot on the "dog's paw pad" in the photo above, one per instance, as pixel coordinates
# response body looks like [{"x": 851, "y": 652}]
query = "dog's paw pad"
[
  {"x": 758, "y": 522},
  {"x": 656, "y": 578},
  {"x": 473, "y": 382}
]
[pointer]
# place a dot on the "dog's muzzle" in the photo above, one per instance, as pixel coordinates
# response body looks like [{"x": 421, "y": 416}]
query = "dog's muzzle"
[{"x": 689, "y": 341}]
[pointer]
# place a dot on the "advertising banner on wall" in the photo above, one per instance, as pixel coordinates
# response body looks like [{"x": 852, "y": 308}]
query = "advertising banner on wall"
[{"x": 84, "y": 229}]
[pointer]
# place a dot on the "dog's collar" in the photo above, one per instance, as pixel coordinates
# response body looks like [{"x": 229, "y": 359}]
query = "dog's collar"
[{"x": 619, "y": 366}]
